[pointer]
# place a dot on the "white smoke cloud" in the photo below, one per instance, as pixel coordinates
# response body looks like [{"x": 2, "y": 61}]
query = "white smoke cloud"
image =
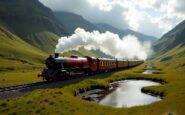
[{"x": 128, "y": 47}]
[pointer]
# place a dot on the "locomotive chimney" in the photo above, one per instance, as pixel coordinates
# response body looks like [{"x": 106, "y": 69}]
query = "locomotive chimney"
[{"x": 56, "y": 55}]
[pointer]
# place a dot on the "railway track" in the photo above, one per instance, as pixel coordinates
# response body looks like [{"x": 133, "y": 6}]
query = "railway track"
[
  {"x": 22, "y": 86},
  {"x": 26, "y": 85}
]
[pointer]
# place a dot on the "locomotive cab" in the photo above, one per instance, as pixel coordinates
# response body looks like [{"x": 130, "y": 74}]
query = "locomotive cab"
[{"x": 59, "y": 68}]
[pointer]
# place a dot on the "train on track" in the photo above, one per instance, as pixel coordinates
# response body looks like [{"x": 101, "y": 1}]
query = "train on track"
[{"x": 60, "y": 68}]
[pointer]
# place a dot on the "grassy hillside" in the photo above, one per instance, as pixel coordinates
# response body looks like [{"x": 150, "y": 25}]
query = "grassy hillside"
[
  {"x": 172, "y": 39},
  {"x": 16, "y": 53},
  {"x": 170, "y": 49},
  {"x": 173, "y": 60},
  {"x": 32, "y": 22},
  {"x": 46, "y": 41},
  {"x": 178, "y": 51}
]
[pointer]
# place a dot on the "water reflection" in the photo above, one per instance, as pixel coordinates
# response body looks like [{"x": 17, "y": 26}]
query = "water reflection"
[
  {"x": 129, "y": 94},
  {"x": 150, "y": 71}
]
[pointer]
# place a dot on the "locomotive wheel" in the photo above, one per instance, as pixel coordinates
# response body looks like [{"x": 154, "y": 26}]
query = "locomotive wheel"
[{"x": 48, "y": 80}]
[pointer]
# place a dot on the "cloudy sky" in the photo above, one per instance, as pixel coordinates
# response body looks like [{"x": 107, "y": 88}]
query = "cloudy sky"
[{"x": 152, "y": 17}]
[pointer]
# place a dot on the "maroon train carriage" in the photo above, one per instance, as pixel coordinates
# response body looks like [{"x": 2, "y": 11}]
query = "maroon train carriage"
[
  {"x": 106, "y": 64},
  {"x": 133, "y": 63},
  {"x": 93, "y": 65},
  {"x": 122, "y": 63},
  {"x": 59, "y": 68}
]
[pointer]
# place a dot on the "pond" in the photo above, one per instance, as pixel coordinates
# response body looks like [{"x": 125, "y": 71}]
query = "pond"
[{"x": 128, "y": 94}]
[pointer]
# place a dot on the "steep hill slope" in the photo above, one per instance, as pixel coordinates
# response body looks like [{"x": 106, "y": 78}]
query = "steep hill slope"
[
  {"x": 17, "y": 54},
  {"x": 31, "y": 21},
  {"x": 170, "y": 49},
  {"x": 142, "y": 37},
  {"x": 172, "y": 39},
  {"x": 71, "y": 21},
  {"x": 45, "y": 41}
]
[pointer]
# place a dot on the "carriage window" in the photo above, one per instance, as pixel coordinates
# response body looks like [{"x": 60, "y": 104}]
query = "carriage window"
[{"x": 94, "y": 61}]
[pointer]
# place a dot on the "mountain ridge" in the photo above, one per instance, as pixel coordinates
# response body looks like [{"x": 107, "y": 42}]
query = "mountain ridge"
[
  {"x": 29, "y": 19},
  {"x": 71, "y": 21},
  {"x": 170, "y": 49}
]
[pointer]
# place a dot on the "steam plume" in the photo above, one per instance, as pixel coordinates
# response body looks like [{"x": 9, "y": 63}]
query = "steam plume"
[{"x": 128, "y": 47}]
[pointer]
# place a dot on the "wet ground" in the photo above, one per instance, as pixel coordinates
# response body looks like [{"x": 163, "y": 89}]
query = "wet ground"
[{"x": 150, "y": 69}]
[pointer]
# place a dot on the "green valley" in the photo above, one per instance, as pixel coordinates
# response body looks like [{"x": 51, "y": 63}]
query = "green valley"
[{"x": 31, "y": 29}]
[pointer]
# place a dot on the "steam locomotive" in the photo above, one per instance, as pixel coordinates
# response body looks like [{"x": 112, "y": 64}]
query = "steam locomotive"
[{"x": 60, "y": 68}]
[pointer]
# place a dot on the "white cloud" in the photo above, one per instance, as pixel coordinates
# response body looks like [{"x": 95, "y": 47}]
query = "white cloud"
[
  {"x": 134, "y": 18},
  {"x": 103, "y": 5},
  {"x": 176, "y": 8}
]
